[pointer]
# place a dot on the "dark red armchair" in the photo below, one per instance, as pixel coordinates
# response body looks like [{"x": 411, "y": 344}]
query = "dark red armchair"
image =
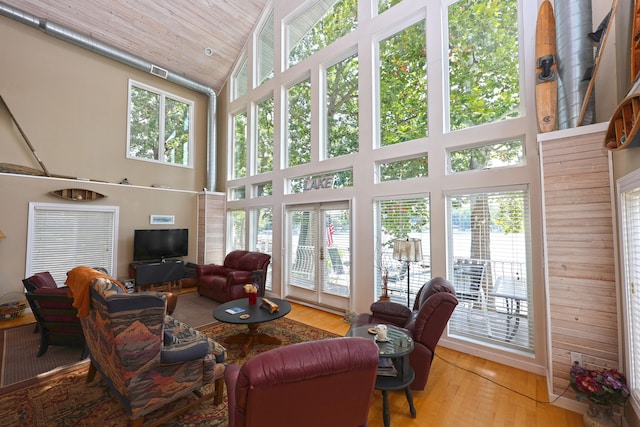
[
  {"x": 54, "y": 312},
  {"x": 432, "y": 309},
  {"x": 225, "y": 282},
  {"x": 314, "y": 384}
]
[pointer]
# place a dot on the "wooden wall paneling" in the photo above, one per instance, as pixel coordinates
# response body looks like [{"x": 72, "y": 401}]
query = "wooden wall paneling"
[
  {"x": 211, "y": 214},
  {"x": 580, "y": 254}
]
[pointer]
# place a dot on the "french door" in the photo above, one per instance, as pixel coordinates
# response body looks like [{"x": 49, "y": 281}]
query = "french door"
[{"x": 318, "y": 254}]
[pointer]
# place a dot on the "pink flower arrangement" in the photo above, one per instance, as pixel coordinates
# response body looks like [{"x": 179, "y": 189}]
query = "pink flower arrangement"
[{"x": 605, "y": 387}]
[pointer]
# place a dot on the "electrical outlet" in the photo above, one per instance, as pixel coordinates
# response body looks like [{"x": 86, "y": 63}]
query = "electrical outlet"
[{"x": 576, "y": 358}]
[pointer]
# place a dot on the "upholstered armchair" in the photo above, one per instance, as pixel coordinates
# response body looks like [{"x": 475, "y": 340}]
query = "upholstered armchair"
[
  {"x": 54, "y": 312},
  {"x": 314, "y": 383},
  {"x": 225, "y": 282},
  {"x": 148, "y": 358},
  {"x": 432, "y": 309}
]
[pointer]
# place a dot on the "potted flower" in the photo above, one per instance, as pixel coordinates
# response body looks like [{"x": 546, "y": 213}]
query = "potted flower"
[{"x": 603, "y": 387}]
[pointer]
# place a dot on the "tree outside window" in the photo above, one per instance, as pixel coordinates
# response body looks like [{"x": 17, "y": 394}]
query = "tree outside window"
[{"x": 159, "y": 126}]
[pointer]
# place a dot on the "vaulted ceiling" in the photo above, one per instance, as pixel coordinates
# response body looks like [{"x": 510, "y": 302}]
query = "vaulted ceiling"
[{"x": 198, "y": 39}]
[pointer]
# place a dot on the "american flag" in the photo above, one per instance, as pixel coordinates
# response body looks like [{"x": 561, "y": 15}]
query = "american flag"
[{"x": 330, "y": 230}]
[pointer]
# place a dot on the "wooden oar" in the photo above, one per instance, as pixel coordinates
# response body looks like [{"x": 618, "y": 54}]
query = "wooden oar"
[{"x": 44, "y": 168}]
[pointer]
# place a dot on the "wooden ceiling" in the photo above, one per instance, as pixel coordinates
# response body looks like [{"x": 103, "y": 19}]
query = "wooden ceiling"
[{"x": 170, "y": 34}]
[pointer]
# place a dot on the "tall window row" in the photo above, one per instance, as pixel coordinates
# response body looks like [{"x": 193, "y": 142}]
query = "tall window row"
[{"x": 378, "y": 108}]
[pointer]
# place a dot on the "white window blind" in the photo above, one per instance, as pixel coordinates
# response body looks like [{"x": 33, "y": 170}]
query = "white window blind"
[
  {"x": 62, "y": 237},
  {"x": 488, "y": 264},
  {"x": 629, "y": 199},
  {"x": 401, "y": 219}
]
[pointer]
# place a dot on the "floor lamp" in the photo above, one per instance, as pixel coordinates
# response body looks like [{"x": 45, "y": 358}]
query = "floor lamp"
[{"x": 407, "y": 250}]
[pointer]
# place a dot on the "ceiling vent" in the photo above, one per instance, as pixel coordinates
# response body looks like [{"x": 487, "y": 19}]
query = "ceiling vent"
[{"x": 160, "y": 72}]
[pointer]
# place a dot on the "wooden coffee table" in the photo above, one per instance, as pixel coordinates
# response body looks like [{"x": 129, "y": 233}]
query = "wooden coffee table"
[{"x": 257, "y": 315}]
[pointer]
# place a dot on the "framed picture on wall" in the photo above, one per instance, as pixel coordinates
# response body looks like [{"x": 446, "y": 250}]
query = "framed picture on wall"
[{"x": 162, "y": 219}]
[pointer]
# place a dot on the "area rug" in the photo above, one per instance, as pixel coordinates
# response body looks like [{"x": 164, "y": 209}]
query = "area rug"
[{"x": 66, "y": 399}]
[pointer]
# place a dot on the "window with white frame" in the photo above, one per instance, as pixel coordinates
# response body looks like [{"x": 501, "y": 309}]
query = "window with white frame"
[
  {"x": 402, "y": 60},
  {"x": 318, "y": 26},
  {"x": 489, "y": 252},
  {"x": 262, "y": 225},
  {"x": 239, "y": 146},
  {"x": 484, "y": 72},
  {"x": 264, "y": 137},
  {"x": 240, "y": 80},
  {"x": 159, "y": 126},
  {"x": 61, "y": 237},
  {"x": 236, "y": 230},
  {"x": 265, "y": 46},
  {"x": 629, "y": 204},
  {"x": 401, "y": 219},
  {"x": 402, "y": 124}
]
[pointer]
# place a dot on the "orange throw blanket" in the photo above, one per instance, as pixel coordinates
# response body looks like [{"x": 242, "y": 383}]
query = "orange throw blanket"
[{"x": 78, "y": 280}]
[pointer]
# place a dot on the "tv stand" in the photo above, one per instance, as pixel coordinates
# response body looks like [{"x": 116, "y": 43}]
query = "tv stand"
[{"x": 163, "y": 271}]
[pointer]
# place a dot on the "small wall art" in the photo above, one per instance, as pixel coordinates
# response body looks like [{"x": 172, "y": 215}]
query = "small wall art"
[{"x": 162, "y": 219}]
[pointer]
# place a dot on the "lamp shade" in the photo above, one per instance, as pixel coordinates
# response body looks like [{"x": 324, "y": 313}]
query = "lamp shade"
[
  {"x": 2, "y": 236},
  {"x": 409, "y": 250}
]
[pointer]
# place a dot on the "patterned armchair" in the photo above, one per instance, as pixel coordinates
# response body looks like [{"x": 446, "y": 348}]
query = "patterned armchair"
[{"x": 148, "y": 358}]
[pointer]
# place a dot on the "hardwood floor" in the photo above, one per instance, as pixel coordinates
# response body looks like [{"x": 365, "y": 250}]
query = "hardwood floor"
[{"x": 456, "y": 394}]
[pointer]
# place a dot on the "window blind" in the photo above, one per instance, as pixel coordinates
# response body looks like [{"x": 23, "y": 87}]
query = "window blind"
[
  {"x": 489, "y": 247},
  {"x": 61, "y": 237},
  {"x": 630, "y": 211}
]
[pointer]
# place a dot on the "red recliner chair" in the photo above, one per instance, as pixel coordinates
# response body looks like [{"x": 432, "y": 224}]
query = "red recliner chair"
[
  {"x": 315, "y": 384},
  {"x": 432, "y": 309},
  {"x": 225, "y": 282}
]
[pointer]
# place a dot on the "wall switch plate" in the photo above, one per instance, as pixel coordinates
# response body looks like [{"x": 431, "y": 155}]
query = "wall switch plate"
[{"x": 576, "y": 358}]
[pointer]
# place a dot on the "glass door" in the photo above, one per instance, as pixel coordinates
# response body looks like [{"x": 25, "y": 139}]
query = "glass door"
[{"x": 319, "y": 254}]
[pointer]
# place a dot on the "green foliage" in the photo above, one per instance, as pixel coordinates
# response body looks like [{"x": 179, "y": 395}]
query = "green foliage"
[
  {"x": 338, "y": 21},
  {"x": 265, "y": 136},
  {"x": 403, "y": 86},
  {"x": 144, "y": 124},
  {"x": 240, "y": 145},
  {"x": 398, "y": 218},
  {"x": 483, "y": 62},
  {"x": 342, "y": 107},
  {"x": 299, "y": 135}
]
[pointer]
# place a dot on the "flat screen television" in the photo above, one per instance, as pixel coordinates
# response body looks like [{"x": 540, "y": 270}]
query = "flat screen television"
[{"x": 158, "y": 244}]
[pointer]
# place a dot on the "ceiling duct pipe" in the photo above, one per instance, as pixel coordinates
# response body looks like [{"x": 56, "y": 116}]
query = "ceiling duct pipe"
[{"x": 134, "y": 61}]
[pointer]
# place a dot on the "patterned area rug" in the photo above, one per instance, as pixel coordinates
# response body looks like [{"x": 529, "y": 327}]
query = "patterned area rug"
[{"x": 66, "y": 399}]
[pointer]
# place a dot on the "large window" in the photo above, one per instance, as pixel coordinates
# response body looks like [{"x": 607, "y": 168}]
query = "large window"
[
  {"x": 629, "y": 201},
  {"x": 372, "y": 102},
  {"x": 239, "y": 147},
  {"x": 489, "y": 257},
  {"x": 62, "y": 237},
  {"x": 319, "y": 26},
  {"x": 159, "y": 126},
  {"x": 402, "y": 219},
  {"x": 403, "y": 85},
  {"x": 299, "y": 123},
  {"x": 484, "y": 76},
  {"x": 265, "y": 51},
  {"x": 262, "y": 225},
  {"x": 264, "y": 151},
  {"x": 342, "y": 107}
]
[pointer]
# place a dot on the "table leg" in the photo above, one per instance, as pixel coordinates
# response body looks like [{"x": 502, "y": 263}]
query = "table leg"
[
  {"x": 251, "y": 337},
  {"x": 385, "y": 408},
  {"x": 412, "y": 409}
]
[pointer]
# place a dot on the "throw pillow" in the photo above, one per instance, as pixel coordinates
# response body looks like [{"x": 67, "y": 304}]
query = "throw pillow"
[{"x": 43, "y": 280}]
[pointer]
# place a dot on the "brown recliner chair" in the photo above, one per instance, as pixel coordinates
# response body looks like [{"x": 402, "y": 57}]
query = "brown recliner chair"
[
  {"x": 225, "y": 282},
  {"x": 432, "y": 309},
  {"x": 315, "y": 384}
]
